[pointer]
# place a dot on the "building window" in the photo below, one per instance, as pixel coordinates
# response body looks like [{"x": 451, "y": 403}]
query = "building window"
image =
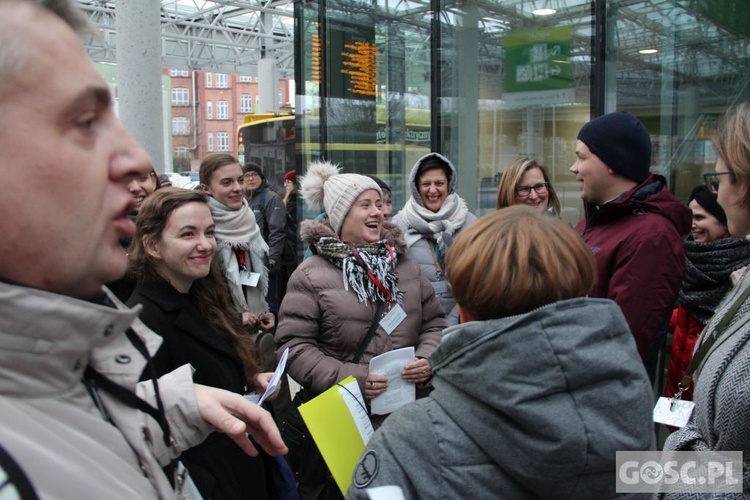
[
  {"x": 222, "y": 110},
  {"x": 221, "y": 81},
  {"x": 209, "y": 83},
  {"x": 182, "y": 152},
  {"x": 222, "y": 141},
  {"x": 180, "y": 96},
  {"x": 180, "y": 126},
  {"x": 210, "y": 142},
  {"x": 209, "y": 110},
  {"x": 246, "y": 103},
  {"x": 179, "y": 72},
  {"x": 246, "y": 79}
]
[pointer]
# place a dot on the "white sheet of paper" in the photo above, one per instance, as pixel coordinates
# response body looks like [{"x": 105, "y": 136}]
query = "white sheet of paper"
[
  {"x": 356, "y": 404},
  {"x": 676, "y": 416},
  {"x": 253, "y": 397},
  {"x": 399, "y": 392},
  {"x": 277, "y": 374},
  {"x": 249, "y": 279}
]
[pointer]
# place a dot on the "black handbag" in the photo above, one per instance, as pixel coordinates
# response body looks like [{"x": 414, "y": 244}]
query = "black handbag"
[{"x": 304, "y": 457}]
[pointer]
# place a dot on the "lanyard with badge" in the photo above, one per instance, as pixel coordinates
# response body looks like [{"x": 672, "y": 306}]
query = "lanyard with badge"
[
  {"x": 396, "y": 313},
  {"x": 674, "y": 411},
  {"x": 247, "y": 277}
]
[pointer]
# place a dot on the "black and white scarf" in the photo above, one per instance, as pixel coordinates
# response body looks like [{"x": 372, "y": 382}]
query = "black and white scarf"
[{"x": 358, "y": 262}]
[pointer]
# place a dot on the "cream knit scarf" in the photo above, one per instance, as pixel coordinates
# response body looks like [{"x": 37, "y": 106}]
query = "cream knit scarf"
[
  {"x": 237, "y": 230},
  {"x": 438, "y": 226}
]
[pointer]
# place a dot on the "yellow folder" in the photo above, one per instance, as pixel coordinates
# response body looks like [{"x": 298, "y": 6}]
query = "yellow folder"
[{"x": 338, "y": 422}]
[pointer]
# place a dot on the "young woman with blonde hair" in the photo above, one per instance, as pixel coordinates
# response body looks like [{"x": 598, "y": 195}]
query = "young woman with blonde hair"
[{"x": 526, "y": 182}]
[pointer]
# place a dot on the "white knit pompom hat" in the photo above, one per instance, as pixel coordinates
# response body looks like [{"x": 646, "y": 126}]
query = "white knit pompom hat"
[{"x": 324, "y": 188}]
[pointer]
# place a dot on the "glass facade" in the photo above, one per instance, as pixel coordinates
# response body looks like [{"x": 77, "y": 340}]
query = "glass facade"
[{"x": 381, "y": 83}]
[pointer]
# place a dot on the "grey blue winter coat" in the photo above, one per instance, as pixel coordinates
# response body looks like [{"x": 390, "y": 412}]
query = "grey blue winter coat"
[
  {"x": 422, "y": 251},
  {"x": 323, "y": 324},
  {"x": 529, "y": 406},
  {"x": 49, "y": 422},
  {"x": 270, "y": 215}
]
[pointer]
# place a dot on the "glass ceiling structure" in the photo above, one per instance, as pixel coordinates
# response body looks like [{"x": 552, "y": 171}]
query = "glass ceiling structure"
[
  {"x": 221, "y": 36},
  {"x": 231, "y": 36}
]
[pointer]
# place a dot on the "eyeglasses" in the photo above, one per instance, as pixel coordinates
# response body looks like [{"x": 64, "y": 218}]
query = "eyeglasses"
[
  {"x": 712, "y": 180},
  {"x": 540, "y": 188},
  {"x": 251, "y": 175}
]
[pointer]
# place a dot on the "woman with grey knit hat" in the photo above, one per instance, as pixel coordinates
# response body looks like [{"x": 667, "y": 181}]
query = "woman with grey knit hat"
[
  {"x": 357, "y": 276},
  {"x": 358, "y": 261},
  {"x": 431, "y": 219}
]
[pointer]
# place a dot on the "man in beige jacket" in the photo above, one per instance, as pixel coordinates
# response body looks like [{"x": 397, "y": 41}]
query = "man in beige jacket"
[{"x": 74, "y": 417}]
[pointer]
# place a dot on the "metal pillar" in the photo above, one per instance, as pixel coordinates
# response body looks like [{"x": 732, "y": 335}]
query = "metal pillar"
[{"x": 139, "y": 74}]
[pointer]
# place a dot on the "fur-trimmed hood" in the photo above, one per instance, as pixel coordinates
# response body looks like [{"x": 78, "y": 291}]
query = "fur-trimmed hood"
[{"x": 311, "y": 231}]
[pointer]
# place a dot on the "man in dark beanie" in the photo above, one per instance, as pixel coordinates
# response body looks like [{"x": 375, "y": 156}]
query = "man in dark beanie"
[
  {"x": 633, "y": 225},
  {"x": 270, "y": 214}
]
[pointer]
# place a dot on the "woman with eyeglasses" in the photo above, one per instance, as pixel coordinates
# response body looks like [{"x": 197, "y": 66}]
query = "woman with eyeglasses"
[
  {"x": 720, "y": 368},
  {"x": 526, "y": 182},
  {"x": 431, "y": 219},
  {"x": 711, "y": 257}
]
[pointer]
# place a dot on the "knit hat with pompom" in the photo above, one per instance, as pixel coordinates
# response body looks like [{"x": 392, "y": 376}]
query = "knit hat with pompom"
[{"x": 323, "y": 187}]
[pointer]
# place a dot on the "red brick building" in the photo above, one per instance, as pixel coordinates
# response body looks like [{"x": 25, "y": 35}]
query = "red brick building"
[{"x": 207, "y": 108}]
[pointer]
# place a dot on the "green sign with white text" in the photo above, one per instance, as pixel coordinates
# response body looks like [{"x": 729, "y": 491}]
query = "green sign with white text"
[{"x": 538, "y": 60}]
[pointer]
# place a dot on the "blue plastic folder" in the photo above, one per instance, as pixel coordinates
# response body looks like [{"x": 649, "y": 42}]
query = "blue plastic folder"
[{"x": 340, "y": 427}]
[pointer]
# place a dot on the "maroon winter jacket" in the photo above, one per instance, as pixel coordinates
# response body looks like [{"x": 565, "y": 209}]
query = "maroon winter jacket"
[{"x": 637, "y": 243}]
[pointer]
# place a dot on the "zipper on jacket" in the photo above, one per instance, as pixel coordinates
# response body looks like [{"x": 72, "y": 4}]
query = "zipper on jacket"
[{"x": 94, "y": 393}]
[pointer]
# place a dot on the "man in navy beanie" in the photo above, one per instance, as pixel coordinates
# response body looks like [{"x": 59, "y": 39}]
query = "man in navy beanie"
[{"x": 633, "y": 225}]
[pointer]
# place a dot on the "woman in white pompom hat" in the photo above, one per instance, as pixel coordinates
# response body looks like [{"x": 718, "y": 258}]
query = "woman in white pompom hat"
[
  {"x": 357, "y": 276},
  {"x": 358, "y": 260}
]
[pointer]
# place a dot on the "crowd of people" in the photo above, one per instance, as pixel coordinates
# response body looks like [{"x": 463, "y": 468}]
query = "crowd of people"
[{"x": 132, "y": 353}]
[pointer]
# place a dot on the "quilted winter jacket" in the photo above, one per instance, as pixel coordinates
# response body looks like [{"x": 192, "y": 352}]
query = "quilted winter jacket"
[
  {"x": 422, "y": 251},
  {"x": 637, "y": 244},
  {"x": 525, "y": 407},
  {"x": 50, "y": 424},
  {"x": 323, "y": 324}
]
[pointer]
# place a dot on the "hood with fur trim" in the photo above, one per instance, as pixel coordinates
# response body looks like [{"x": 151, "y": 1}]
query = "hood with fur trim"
[{"x": 311, "y": 231}]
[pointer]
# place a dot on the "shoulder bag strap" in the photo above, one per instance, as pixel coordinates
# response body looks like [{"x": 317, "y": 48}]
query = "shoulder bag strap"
[{"x": 368, "y": 338}]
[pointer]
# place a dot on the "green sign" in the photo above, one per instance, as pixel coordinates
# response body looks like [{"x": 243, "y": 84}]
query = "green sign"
[{"x": 538, "y": 60}]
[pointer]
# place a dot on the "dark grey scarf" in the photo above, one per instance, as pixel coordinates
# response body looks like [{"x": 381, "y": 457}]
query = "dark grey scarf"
[{"x": 706, "y": 280}]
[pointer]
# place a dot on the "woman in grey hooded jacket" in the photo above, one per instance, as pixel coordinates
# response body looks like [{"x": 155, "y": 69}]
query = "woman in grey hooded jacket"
[
  {"x": 431, "y": 218},
  {"x": 535, "y": 391}
]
